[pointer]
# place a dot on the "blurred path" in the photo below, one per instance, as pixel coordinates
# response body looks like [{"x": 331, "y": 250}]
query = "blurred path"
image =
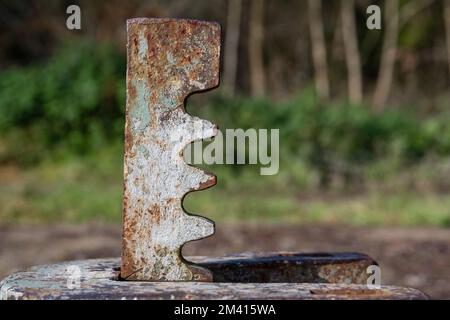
[{"x": 418, "y": 257}]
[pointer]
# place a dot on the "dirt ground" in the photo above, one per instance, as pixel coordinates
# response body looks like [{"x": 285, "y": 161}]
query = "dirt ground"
[{"x": 418, "y": 257}]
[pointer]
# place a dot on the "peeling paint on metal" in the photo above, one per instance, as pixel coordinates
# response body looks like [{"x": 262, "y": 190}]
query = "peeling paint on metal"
[
  {"x": 139, "y": 113},
  {"x": 168, "y": 59}
]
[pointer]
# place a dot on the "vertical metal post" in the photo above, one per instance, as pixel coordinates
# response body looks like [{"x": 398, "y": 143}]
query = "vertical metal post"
[{"x": 168, "y": 59}]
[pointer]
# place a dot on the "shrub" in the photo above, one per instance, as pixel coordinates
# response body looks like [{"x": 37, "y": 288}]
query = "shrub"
[{"x": 74, "y": 99}]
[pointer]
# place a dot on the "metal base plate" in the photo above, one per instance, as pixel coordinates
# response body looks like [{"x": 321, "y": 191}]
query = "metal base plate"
[{"x": 247, "y": 276}]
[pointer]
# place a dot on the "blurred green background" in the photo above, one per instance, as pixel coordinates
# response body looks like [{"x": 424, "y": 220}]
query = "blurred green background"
[{"x": 364, "y": 131}]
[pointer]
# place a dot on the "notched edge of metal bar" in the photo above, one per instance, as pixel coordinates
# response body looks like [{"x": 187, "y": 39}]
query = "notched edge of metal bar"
[{"x": 163, "y": 52}]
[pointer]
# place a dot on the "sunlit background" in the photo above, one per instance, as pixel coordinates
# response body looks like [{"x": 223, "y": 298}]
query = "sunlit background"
[{"x": 364, "y": 120}]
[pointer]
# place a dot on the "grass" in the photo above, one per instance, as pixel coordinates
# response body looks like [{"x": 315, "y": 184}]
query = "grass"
[
  {"x": 90, "y": 188},
  {"x": 406, "y": 209}
]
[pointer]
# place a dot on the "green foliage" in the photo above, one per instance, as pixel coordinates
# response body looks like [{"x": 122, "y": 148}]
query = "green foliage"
[
  {"x": 337, "y": 138},
  {"x": 71, "y": 108},
  {"x": 73, "y": 103},
  {"x": 75, "y": 99}
]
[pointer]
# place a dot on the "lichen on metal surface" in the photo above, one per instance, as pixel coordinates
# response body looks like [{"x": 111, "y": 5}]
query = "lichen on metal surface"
[{"x": 168, "y": 60}]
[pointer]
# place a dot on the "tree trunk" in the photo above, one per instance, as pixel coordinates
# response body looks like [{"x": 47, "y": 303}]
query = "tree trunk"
[
  {"x": 388, "y": 55},
  {"x": 447, "y": 30},
  {"x": 232, "y": 46},
  {"x": 412, "y": 8},
  {"x": 352, "y": 58},
  {"x": 319, "y": 52},
  {"x": 255, "y": 50}
]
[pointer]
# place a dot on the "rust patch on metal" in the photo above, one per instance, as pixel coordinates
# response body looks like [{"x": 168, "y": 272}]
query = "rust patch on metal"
[
  {"x": 168, "y": 59},
  {"x": 290, "y": 267}
]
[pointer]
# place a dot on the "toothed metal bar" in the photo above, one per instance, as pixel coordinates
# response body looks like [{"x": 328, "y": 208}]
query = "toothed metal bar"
[{"x": 168, "y": 59}]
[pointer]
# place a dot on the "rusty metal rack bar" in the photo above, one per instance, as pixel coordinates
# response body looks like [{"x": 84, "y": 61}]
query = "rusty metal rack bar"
[{"x": 168, "y": 60}]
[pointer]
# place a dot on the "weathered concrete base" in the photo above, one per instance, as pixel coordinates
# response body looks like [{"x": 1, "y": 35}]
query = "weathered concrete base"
[{"x": 248, "y": 276}]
